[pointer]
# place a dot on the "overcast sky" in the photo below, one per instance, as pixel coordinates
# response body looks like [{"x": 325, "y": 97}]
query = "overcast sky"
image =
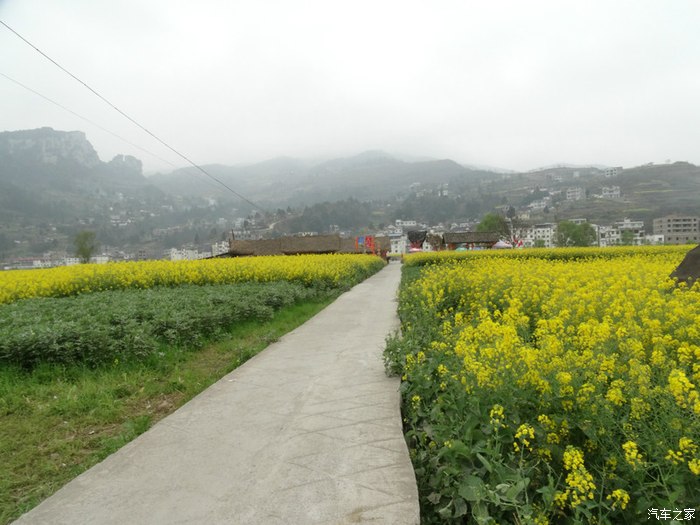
[{"x": 513, "y": 84}]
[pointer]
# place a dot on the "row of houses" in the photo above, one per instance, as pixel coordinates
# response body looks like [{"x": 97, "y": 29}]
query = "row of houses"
[
  {"x": 672, "y": 229},
  {"x": 578, "y": 193},
  {"x": 625, "y": 231},
  {"x": 192, "y": 254}
]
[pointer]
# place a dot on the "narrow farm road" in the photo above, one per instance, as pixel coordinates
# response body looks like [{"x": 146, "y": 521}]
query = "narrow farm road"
[{"x": 307, "y": 432}]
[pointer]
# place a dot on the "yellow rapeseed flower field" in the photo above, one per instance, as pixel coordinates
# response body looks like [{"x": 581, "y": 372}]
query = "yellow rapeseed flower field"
[
  {"x": 333, "y": 270},
  {"x": 584, "y": 354}
]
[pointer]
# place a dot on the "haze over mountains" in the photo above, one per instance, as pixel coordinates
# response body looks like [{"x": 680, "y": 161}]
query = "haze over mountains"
[
  {"x": 372, "y": 175},
  {"x": 52, "y": 184}
]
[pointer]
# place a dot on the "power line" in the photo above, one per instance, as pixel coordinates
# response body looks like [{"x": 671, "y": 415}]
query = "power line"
[
  {"x": 197, "y": 166},
  {"x": 99, "y": 126},
  {"x": 84, "y": 118}
]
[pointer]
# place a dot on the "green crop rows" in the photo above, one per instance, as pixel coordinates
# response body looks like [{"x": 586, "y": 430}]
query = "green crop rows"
[{"x": 105, "y": 327}]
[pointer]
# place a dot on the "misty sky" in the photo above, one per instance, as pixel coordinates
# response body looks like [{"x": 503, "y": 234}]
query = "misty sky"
[{"x": 512, "y": 84}]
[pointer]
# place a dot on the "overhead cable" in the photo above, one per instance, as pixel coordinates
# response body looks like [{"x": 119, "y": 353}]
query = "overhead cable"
[
  {"x": 133, "y": 121},
  {"x": 58, "y": 104}
]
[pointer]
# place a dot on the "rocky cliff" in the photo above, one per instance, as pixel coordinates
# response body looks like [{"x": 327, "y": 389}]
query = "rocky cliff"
[{"x": 48, "y": 146}]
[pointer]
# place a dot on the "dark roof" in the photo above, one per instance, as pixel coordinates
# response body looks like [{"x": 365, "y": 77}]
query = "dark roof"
[
  {"x": 257, "y": 247},
  {"x": 417, "y": 235},
  {"x": 310, "y": 244},
  {"x": 297, "y": 245},
  {"x": 470, "y": 237}
]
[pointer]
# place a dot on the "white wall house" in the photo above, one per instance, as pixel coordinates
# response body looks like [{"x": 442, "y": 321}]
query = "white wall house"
[
  {"x": 405, "y": 224},
  {"x": 219, "y": 248},
  {"x": 539, "y": 204},
  {"x": 185, "y": 254},
  {"x": 546, "y": 232},
  {"x": 613, "y": 235},
  {"x": 611, "y": 192},
  {"x": 399, "y": 243},
  {"x": 575, "y": 194},
  {"x": 612, "y": 172}
]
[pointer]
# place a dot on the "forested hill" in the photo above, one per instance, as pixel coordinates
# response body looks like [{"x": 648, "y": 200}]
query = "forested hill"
[
  {"x": 53, "y": 184},
  {"x": 372, "y": 175},
  {"x": 47, "y": 174}
]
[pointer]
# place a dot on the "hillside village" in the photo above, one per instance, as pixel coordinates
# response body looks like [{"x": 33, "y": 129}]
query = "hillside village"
[
  {"x": 406, "y": 236},
  {"x": 65, "y": 188}
]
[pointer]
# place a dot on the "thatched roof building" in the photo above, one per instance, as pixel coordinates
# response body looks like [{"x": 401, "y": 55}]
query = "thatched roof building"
[
  {"x": 483, "y": 239},
  {"x": 300, "y": 245}
]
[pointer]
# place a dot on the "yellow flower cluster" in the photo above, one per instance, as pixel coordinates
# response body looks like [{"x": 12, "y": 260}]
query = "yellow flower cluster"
[
  {"x": 632, "y": 455},
  {"x": 333, "y": 269},
  {"x": 523, "y": 436},
  {"x": 600, "y": 344},
  {"x": 579, "y": 482},
  {"x": 619, "y": 497},
  {"x": 496, "y": 417}
]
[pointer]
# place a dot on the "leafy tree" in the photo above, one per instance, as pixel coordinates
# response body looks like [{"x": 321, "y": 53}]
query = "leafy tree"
[
  {"x": 627, "y": 237},
  {"x": 86, "y": 245},
  {"x": 493, "y": 222},
  {"x": 570, "y": 234}
]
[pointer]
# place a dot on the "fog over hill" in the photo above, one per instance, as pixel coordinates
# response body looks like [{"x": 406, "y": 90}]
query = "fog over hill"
[
  {"x": 53, "y": 184},
  {"x": 285, "y": 181},
  {"x": 47, "y": 173}
]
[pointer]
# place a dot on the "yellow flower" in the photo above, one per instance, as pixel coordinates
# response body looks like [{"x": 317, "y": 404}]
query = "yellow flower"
[
  {"x": 579, "y": 481},
  {"x": 694, "y": 466},
  {"x": 497, "y": 416},
  {"x": 415, "y": 402},
  {"x": 619, "y": 497},
  {"x": 524, "y": 434},
  {"x": 632, "y": 455}
]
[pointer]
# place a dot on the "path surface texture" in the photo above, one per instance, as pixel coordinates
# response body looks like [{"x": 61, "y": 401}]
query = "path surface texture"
[{"x": 307, "y": 432}]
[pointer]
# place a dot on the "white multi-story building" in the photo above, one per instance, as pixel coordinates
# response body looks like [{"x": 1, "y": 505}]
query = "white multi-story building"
[
  {"x": 654, "y": 239},
  {"x": 405, "y": 224},
  {"x": 399, "y": 243},
  {"x": 219, "y": 248},
  {"x": 185, "y": 254},
  {"x": 539, "y": 204},
  {"x": 612, "y": 172},
  {"x": 625, "y": 231},
  {"x": 575, "y": 194},
  {"x": 608, "y": 236},
  {"x": 678, "y": 229},
  {"x": 611, "y": 192},
  {"x": 545, "y": 233}
]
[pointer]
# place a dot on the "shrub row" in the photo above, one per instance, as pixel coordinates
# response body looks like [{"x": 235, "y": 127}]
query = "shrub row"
[{"x": 101, "y": 327}]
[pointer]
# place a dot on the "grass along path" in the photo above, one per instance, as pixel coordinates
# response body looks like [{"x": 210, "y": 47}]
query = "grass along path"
[{"x": 58, "y": 421}]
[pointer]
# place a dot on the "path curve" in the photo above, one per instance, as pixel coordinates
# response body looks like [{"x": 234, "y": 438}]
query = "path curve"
[{"x": 306, "y": 432}]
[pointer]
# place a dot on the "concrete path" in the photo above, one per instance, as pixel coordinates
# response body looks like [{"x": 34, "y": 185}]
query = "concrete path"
[{"x": 307, "y": 432}]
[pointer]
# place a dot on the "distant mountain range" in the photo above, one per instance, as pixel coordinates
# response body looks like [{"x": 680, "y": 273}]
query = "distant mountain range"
[
  {"x": 54, "y": 181},
  {"x": 372, "y": 175}
]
